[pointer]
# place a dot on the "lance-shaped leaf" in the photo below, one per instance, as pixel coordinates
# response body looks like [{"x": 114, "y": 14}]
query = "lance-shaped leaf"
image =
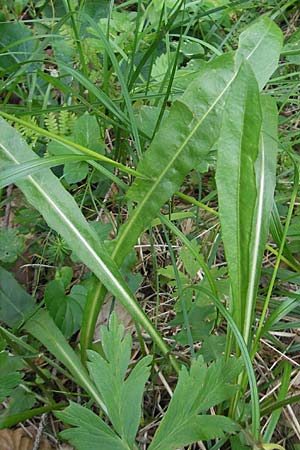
[
  {"x": 236, "y": 182},
  {"x": 192, "y": 127},
  {"x": 189, "y": 132},
  {"x": 45, "y": 192},
  {"x": 265, "y": 169},
  {"x": 260, "y": 44},
  {"x": 196, "y": 391},
  {"x": 245, "y": 181}
]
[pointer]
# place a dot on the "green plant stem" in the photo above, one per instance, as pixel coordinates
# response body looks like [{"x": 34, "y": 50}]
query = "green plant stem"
[
  {"x": 195, "y": 202},
  {"x": 266, "y": 410},
  {"x": 11, "y": 420},
  {"x": 77, "y": 37}
]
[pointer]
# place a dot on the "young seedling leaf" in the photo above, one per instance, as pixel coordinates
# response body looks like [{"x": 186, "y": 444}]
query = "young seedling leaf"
[
  {"x": 66, "y": 310},
  {"x": 196, "y": 391}
]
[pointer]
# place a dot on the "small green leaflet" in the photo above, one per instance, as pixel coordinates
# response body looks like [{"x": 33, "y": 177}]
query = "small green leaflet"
[
  {"x": 9, "y": 379},
  {"x": 15, "y": 304},
  {"x": 66, "y": 310},
  {"x": 196, "y": 391}
]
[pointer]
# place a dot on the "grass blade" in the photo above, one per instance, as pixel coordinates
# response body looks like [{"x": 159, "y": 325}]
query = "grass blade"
[{"x": 12, "y": 174}]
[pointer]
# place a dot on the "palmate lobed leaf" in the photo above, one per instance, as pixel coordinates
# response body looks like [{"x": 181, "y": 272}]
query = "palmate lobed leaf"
[
  {"x": 91, "y": 432},
  {"x": 196, "y": 391},
  {"x": 122, "y": 396}
]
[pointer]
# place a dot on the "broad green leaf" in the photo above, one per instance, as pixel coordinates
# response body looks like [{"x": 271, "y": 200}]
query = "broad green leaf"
[
  {"x": 97, "y": 9},
  {"x": 196, "y": 391},
  {"x": 189, "y": 130},
  {"x": 236, "y": 183},
  {"x": 45, "y": 193},
  {"x": 245, "y": 176},
  {"x": 192, "y": 128},
  {"x": 91, "y": 432},
  {"x": 15, "y": 45},
  {"x": 260, "y": 44},
  {"x": 12, "y": 244},
  {"x": 66, "y": 310},
  {"x": 15, "y": 304},
  {"x": 87, "y": 133},
  {"x": 122, "y": 396}
]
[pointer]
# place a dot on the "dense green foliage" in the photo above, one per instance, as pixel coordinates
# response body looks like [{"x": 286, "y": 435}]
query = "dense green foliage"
[{"x": 168, "y": 127}]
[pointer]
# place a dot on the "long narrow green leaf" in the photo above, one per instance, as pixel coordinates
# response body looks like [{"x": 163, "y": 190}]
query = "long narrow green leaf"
[
  {"x": 12, "y": 174},
  {"x": 236, "y": 183},
  {"x": 59, "y": 209},
  {"x": 43, "y": 328},
  {"x": 265, "y": 168},
  {"x": 69, "y": 144}
]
